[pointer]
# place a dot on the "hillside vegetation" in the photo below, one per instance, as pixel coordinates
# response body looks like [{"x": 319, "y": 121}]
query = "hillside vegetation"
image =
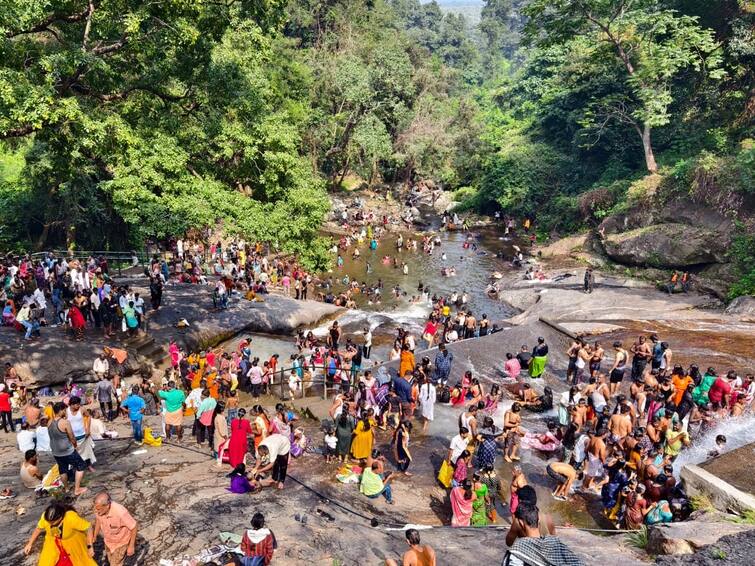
[{"x": 122, "y": 121}]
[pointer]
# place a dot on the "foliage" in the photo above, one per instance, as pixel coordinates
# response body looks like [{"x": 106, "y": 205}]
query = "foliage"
[
  {"x": 639, "y": 538},
  {"x": 648, "y": 47},
  {"x": 701, "y": 502},
  {"x": 742, "y": 255},
  {"x": 150, "y": 119},
  {"x": 746, "y": 518}
]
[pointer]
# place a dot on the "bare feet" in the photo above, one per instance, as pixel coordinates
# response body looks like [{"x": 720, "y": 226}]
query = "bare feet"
[{"x": 80, "y": 491}]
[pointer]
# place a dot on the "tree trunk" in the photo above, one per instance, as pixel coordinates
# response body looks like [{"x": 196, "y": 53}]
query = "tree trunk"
[
  {"x": 648, "y": 148},
  {"x": 71, "y": 237},
  {"x": 42, "y": 240}
]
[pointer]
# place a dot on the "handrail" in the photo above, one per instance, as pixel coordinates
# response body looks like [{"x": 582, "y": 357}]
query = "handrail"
[{"x": 323, "y": 380}]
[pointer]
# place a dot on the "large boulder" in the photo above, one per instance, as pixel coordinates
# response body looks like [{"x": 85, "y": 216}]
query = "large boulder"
[
  {"x": 671, "y": 246},
  {"x": 702, "y": 529},
  {"x": 55, "y": 358},
  {"x": 744, "y": 305}
]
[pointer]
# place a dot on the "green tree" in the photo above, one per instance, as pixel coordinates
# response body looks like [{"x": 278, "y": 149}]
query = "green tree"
[{"x": 652, "y": 46}]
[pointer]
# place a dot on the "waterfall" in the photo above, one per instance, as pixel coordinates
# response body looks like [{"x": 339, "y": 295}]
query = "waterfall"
[{"x": 738, "y": 431}]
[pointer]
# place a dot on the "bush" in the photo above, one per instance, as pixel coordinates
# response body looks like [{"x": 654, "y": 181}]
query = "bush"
[{"x": 742, "y": 255}]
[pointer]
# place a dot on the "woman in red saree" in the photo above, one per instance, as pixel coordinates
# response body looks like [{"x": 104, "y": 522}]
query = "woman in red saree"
[
  {"x": 238, "y": 444},
  {"x": 77, "y": 322}
]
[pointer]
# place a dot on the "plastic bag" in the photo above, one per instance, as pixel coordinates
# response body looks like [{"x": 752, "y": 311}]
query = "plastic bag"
[
  {"x": 150, "y": 440},
  {"x": 446, "y": 474}
]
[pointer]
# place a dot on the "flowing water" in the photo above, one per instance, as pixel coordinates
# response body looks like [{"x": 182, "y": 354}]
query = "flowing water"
[
  {"x": 738, "y": 432},
  {"x": 473, "y": 271},
  {"x": 725, "y": 345}
]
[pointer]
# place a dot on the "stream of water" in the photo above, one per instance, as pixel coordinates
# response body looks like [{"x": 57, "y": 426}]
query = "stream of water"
[{"x": 474, "y": 269}]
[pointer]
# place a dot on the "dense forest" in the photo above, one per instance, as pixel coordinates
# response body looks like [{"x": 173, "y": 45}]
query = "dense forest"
[{"x": 122, "y": 120}]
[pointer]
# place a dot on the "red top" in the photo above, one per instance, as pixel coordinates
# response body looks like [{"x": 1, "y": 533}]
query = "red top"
[
  {"x": 717, "y": 391},
  {"x": 5, "y": 402},
  {"x": 263, "y": 548}
]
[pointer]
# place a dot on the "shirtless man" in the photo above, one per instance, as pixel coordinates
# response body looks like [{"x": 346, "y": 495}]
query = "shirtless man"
[
  {"x": 512, "y": 431},
  {"x": 618, "y": 369},
  {"x": 620, "y": 425},
  {"x": 579, "y": 416},
  {"x": 542, "y": 525},
  {"x": 571, "y": 353},
  {"x": 597, "y": 358},
  {"x": 417, "y": 555},
  {"x": 596, "y": 459},
  {"x": 638, "y": 395},
  {"x": 641, "y": 354},
  {"x": 565, "y": 475},
  {"x": 471, "y": 326}
]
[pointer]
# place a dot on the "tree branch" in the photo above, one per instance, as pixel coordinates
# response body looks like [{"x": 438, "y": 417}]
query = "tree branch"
[
  {"x": 111, "y": 97},
  {"x": 110, "y": 48},
  {"x": 44, "y": 24},
  {"x": 17, "y": 132},
  {"x": 88, "y": 26}
]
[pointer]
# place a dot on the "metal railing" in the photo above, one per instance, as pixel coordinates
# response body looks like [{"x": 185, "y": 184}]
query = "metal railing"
[{"x": 319, "y": 379}]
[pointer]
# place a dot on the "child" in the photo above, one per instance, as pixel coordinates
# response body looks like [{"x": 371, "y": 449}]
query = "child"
[
  {"x": 719, "y": 448},
  {"x": 294, "y": 381},
  {"x": 393, "y": 409},
  {"x": 231, "y": 406},
  {"x": 330, "y": 445}
]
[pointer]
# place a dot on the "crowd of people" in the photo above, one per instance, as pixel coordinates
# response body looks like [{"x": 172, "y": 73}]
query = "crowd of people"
[
  {"x": 75, "y": 294},
  {"x": 614, "y": 433}
]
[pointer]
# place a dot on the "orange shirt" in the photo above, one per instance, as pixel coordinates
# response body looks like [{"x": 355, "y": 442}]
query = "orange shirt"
[{"x": 681, "y": 382}]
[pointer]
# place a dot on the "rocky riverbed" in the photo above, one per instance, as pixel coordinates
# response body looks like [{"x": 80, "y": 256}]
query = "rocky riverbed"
[{"x": 55, "y": 356}]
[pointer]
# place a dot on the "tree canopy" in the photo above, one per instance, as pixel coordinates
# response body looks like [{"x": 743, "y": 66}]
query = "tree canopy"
[{"x": 125, "y": 120}]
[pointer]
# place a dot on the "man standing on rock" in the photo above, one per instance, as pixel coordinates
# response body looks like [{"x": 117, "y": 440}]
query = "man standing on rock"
[
  {"x": 641, "y": 353},
  {"x": 134, "y": 405},
  {"x": 539, "y": 358},
  {"x": 443, "y": 360},
  {"x": 63, "y": 445},
  {"x": 589, "y": 280},
  {"x": 596, "y": 459},
  {"x": 174, "y": 410},
  {"x": 117, "y": 526},
  {"x": 104, "y": 392}
]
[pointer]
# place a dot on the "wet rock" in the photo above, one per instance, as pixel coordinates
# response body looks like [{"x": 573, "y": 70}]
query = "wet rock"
[
  {"x": 686, "y": 537},
  {"x": 672, "y": 245},
  {"x": 744, "y": 305}
]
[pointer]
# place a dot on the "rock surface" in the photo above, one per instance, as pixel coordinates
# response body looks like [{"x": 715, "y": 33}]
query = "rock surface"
[
  {"x": 701, "y": 530},
  {"x": 736, "y": 549},
  {"x": 742, "y": 306},
  {"x": 55, "y": 357},
  {"x": 671, "y": 245}
]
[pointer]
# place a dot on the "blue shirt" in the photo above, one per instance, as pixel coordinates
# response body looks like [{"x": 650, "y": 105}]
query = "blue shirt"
[
  {"x": 134, "y": 404},
  {"x": 403, "y": 389}
]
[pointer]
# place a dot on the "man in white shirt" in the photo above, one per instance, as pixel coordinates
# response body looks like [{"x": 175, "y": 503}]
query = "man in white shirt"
[
  {"x": 26, "y": 438},
  {"x": 100, "y": 366},
  {"x": 459, "y": 443},
  {"x": 274, "y": 452},
  {"x": 367, "y": 343}
]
